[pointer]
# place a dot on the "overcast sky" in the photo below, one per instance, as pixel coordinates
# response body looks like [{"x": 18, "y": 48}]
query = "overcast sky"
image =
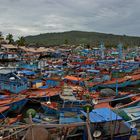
[{"x": 29, "y": 17}]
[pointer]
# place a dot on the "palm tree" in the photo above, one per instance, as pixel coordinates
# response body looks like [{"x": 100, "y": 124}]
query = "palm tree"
[
  {"x": 66, "y": 42},
  {"x": 0, "y": 34},
  {"x": 9, "y": 37},
  {"x": 21, "y": 41}
]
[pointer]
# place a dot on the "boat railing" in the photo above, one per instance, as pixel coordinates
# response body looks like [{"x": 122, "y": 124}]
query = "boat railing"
[{"x": 108, "y": 100}]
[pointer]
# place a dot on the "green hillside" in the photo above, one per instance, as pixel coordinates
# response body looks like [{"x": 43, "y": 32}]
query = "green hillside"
[{"x": 81, "y": 37}]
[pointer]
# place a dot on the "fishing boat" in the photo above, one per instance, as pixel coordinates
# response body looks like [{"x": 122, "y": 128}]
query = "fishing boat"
[
  {"x": 50, "y": 107},
  {"x": 42, "y": 95},
  {"x": 10, "y": 120},
  {"x": 67, "y": 100},
  {"x": 54, "y": 108},
  {"x": 121, "y": 82},
  {"x": 135, "y": 80},
  {"x": 130, "y": 114},
  {"x": 107, "y": 125},
  {"x": 45, "y": 119},
  {"x": 4, "y": 111},
  {"x": 18, "y": 104},
  {"x": 123, "y": 101},
  {"x": 70, "y": 115},
  {"x": 15, "y": 103}
]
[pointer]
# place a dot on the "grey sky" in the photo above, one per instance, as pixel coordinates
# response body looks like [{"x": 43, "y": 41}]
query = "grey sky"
[{"x": 29, "y": 17}]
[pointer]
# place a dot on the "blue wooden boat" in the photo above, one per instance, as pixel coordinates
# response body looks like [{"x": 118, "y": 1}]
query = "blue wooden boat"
[
  {"x": 50, "y": 107},
  {"x": 4, "y": 111},
  {"x": 135, "y": 80},
  {"x": 70, "y": 115},
  {"x": 18, "y": 104},
  {"x": 55, "y": 108},
  {"x": 11, "y": 82},
  {"x": 45, "y": 119},
  {"x": 15, "y": 103},
  {"x": 131, "y": 114},
  {"x": 108, "y": 124},
  {"x": 11, "y": 120},
  {"x": 120, "y": 101},
  {"x": 121, "y": 82}
]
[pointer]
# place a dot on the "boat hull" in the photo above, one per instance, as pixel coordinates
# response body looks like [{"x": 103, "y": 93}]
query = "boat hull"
[
  {"x": 4, "y": 111},
  {"x": 133, "y": 83},
  {"x": 49, "y": 110},
  {"x": 120, "y": 85},
  {"x": 17, "y": 105}
]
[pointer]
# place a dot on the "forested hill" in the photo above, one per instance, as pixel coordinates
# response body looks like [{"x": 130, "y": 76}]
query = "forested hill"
[{"x": 82, "y": 37}]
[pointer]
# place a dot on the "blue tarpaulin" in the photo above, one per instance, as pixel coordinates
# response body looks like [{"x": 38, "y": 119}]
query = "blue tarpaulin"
[
  {"x": 43, "y": 87},
  {"x": 37, "y": 81},
  {"x": 102, "y": 115},
  {"x": 50, "y": 83},
  {"x": 28, "y": 73}
]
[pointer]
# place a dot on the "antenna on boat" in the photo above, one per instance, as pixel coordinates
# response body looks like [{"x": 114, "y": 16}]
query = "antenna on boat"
[
  {"x": 102, "y": 49},
  {"x": 97, "y": 133},
  {"x": 49, "y": 101},
  {"x": 120, "y": 51},
  {"x": 95, "y": 102}
]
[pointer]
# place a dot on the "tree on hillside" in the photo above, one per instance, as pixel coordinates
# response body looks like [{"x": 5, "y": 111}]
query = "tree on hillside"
[
  {"x": 9, "y": 37},
  {"x": 66, "y": 41},
  {"x": 21, "y": 41}
]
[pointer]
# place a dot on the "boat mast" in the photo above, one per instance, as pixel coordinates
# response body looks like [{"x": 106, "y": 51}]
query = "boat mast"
[
  {"x": 102, "y": 48},
  {"x": 120, "y": 51}
]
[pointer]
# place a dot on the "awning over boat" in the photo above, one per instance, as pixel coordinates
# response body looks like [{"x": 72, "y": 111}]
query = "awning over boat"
[{"x": 102, "y": 115}]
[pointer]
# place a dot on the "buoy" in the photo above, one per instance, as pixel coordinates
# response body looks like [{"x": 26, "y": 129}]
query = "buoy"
[
  {"x": 31, "y": 112},
  {"x": 97, "y": 133},
  {"x": 95, "y": 102},
  {"x": 88, "y": 108}
]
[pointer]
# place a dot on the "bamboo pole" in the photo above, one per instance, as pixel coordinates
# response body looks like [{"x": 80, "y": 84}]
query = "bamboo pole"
[
  {"x": 61, "y": 125},
  {"x": 31, "y": 122},
  {"x": 88, "y": 125}
]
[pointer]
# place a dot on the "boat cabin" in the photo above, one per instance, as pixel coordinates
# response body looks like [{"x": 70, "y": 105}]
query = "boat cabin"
[
  {"x": 8, "y": 56},
  {"x": 12, "y": 82}
]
